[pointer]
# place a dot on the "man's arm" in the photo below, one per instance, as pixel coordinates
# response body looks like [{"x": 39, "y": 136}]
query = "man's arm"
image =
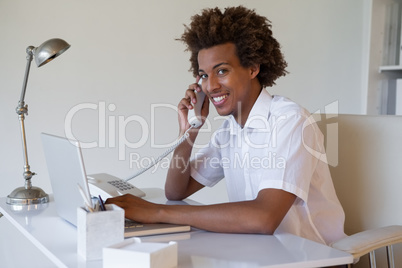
[
  {"x": 179, "y": 183},
  {"x": 261, "y": 215}
]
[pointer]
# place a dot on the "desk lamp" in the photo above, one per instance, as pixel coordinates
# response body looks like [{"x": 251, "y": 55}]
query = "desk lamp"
[{"x": 43, "y": 54}]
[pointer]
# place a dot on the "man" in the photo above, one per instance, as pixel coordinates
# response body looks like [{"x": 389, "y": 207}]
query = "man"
[{"x": 263, "y": 149}]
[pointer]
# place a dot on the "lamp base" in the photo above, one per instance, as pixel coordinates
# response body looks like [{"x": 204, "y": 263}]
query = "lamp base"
[{"x": 23, "y": 196}]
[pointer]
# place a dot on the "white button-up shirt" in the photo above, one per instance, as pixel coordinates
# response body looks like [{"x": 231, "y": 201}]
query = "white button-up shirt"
[{"x": 279, "y": 147}]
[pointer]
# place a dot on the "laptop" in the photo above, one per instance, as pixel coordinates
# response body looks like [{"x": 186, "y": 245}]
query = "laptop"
[{"x": 66, "y": 169}]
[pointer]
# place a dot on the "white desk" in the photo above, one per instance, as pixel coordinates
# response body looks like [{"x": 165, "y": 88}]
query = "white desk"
[{"x": 57, "y": 239}]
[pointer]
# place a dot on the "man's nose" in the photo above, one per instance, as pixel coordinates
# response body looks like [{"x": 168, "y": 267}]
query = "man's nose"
[{"x": 212, "y": 84}]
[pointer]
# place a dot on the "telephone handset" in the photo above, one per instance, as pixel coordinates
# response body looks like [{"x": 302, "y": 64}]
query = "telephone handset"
[{"x": 194, "y": 115}]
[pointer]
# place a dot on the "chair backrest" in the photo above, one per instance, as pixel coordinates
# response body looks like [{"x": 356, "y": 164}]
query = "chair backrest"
[{"x": 365, "y": 158}]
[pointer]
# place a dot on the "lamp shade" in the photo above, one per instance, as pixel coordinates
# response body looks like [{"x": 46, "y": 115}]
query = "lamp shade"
[{"x": 49, "y": 50}]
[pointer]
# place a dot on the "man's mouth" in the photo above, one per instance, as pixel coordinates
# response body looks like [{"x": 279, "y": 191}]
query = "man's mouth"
[{"x": 219, "y": 99}]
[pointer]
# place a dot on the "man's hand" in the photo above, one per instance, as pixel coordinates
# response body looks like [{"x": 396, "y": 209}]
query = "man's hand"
[
  {"x": 135, "y": 208},
  {"x": 188, "y": 103}
]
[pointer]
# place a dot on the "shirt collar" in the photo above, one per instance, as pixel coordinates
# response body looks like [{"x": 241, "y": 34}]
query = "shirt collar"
[{"x": 258, "y": 117}]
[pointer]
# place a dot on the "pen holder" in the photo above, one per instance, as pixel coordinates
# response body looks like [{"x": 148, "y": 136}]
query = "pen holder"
[{"x": 98, "y": 229}]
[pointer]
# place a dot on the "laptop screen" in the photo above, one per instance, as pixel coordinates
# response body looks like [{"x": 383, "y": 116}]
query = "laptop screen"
[{"x": 66, "y": 169}]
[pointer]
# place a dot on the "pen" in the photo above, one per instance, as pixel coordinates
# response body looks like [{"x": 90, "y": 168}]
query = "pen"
[
  {"x": 102, "y": 205},
  {"x": 88, "y": 203}
]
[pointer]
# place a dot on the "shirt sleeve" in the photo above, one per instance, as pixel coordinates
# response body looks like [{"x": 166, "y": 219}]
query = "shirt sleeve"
[
  {"x": 293, "y": 139},
  {"x": 206, "y": 165}
]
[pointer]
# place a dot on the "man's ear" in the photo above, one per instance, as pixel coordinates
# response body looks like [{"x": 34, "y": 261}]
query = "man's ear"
[{"x": 254, "y": 70}]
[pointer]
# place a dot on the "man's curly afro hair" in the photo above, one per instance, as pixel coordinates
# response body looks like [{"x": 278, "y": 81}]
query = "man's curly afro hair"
[{"x": 250, "y": 33}]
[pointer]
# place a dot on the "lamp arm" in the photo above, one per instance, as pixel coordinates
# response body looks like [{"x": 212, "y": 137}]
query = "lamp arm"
[
  {"x": 22, "y": 110},
  {"x": 27, "y": 68}
]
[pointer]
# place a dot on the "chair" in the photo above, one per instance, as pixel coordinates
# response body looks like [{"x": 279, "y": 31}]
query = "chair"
[{"x": 365, "y": 158}]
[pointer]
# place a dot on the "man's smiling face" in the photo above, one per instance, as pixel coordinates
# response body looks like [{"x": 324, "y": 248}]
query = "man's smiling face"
[{"x": 232, "y": 88}]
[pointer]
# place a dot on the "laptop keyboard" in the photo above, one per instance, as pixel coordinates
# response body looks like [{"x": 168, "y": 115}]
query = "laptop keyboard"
[{"x": 132, "y": 224}]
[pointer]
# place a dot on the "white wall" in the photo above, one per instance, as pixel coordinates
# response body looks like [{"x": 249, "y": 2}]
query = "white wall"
[{"x": 124, "y": 53}]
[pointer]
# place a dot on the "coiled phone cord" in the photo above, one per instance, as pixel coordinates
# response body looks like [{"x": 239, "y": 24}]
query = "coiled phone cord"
[{"x": 168, "y": 151}]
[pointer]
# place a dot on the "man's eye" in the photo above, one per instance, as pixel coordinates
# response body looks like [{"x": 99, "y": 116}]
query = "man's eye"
[{"x": 221, "y": 71}]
